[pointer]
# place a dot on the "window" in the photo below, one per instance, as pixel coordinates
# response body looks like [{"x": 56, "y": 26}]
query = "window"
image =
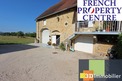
[
  {"x": 58, "y": 19},
  {"x": 66, "y": 24},
  {"x": 44, "y": 22},
  {"x": 90, "y": 24},
  {"x": 85, "y": 23}
]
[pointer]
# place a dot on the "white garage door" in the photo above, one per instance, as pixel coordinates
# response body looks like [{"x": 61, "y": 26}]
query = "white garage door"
[
  {"x": 45, "y": 36},
  {"x": 84, "y": 44}
]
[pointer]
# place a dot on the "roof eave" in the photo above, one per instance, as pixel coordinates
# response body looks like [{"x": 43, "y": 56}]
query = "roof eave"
[
  {"x": 93, "y": 33},
  {"x": 55, "y": 12}
]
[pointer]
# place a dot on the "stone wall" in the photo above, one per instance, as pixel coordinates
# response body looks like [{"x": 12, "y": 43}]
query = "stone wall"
[
  {"x": 101, "y": 49},
  {"x": 63, "y": 22}
]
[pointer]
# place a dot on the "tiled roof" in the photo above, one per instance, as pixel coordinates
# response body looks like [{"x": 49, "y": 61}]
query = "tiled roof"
[{"x": 61, "y": 6}]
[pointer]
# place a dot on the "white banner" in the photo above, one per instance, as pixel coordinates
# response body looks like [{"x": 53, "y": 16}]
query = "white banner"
[{"x": 99, "y": 10}]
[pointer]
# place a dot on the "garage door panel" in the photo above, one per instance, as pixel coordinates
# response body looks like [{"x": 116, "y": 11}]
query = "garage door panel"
[{"x": 84, "y": 44}]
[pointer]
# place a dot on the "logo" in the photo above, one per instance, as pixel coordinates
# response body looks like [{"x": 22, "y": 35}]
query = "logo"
[
  {"x": 87, "y": 75},
  {"x": 99, "y": 10},
  {"x": 100, "y": 70}
]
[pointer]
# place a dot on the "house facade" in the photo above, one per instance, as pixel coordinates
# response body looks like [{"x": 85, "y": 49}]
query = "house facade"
[
  {"x": 96, "y": 37},
  {"x": 59, "y": 24}
]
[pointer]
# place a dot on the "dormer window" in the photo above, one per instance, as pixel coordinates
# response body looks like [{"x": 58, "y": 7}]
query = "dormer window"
[{"x": 44, "y": 22}]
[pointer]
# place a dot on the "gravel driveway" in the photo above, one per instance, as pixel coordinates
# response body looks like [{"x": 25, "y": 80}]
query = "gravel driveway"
[{"x": 36, "y": 63}]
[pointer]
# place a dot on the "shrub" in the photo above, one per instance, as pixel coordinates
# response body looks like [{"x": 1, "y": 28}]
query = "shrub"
[
  {"x": 62, "y": 46},
  {"x": 49, "y": 43},
  {"x": 54, "y": 44},
  {"x": 119, "y": 46}
]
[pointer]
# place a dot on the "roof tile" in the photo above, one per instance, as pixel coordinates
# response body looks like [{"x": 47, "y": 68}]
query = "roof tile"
[{"x": 63, "y": 4}]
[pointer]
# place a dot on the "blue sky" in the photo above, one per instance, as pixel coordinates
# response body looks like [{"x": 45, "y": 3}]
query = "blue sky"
[{"x": 20, "y": 15}]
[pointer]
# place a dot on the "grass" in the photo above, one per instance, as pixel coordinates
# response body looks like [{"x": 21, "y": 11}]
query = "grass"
[{"x": 15, "y": 40}]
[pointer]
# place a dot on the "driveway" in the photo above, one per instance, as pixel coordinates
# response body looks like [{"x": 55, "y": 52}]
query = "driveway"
[{"x": 37, "y": 63}]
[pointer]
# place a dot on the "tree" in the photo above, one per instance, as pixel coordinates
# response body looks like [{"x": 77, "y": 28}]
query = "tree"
[
  {"x": 30, "y": 34},
  {"x": 118, "y": 47},
  {"x": 33, "y": 34},
  {"x": 13, "y": 33},
  {"x": 20, "y": 34}
]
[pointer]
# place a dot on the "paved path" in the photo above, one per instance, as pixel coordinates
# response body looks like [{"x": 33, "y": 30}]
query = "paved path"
[{"x": 36, "y": 63}]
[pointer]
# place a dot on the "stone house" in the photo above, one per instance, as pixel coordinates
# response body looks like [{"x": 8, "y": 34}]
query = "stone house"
[{"x": 59, "y": 24}]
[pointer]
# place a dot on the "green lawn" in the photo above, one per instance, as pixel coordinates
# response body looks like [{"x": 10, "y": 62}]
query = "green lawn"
[{"x": 15, "y": 40}]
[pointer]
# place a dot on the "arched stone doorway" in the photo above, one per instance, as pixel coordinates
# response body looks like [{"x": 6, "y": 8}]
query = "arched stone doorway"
[
  {"x": 45, "y": 36},
  {"x": 55, "y": 36}
]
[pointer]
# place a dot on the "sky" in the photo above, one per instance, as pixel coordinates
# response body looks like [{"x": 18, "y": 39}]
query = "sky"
[{"x": 20, "y": 15}]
